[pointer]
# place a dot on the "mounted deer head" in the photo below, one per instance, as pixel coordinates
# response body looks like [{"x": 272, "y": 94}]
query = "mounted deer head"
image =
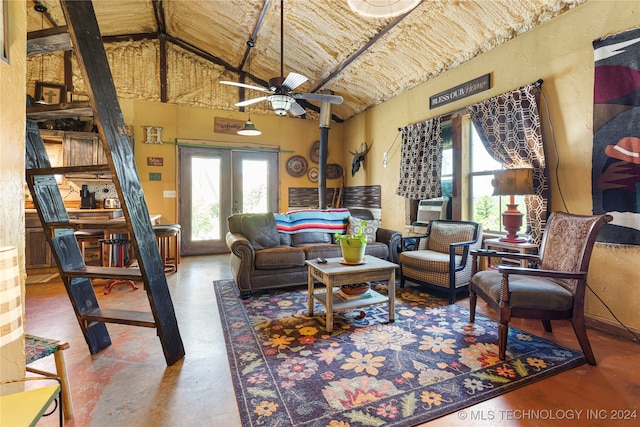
[{"x": 358, "y": 158}]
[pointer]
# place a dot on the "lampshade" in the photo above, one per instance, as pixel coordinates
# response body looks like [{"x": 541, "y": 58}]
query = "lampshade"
[
  {"x": 382, "y": 8},
  {"x": 11, "y": 327},
  {"x": 249, "y": 129},
  {"x": 509, "y": 182},
  {"x": 280, "y": 103}
]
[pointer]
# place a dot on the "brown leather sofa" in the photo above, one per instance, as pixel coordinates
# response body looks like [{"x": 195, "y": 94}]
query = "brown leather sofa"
[{"x": 258, "y": 262}]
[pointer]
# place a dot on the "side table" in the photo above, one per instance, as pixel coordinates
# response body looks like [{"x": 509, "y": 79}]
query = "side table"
[
  {"x": 497, "y": 245},
  {"x": 411, "y": 236},
  {"x": 333, "y": 274}
]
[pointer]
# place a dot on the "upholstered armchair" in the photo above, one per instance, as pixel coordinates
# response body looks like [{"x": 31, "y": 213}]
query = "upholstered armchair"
[
  {"x": 553, "y": 291},
  {"x": 442, "y": 262}
]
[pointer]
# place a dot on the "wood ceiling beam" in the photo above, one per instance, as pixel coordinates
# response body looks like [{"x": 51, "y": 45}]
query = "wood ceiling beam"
[
  {"x": 48, "y": 40},
  {"x": 362, "y": 50},
  {"x": 158, "y": 13},
  {"x": 203, "y": 54}
]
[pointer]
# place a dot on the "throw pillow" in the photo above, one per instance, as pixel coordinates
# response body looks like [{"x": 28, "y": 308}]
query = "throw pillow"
[
  {"x": 261, "y": 230},
  {"x": 369, "y": 229}
]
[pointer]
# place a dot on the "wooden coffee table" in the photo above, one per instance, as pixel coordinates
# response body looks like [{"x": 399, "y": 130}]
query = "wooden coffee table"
[{"x": 333, "y": 274}]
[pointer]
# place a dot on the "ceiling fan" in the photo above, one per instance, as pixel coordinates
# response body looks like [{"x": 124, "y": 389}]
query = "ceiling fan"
[{"x": 280, "y": 90}]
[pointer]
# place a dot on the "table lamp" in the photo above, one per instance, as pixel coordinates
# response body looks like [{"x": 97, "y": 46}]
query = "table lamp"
[
  {"x": 511, "y": 182},
  {"x": 11, "y": 327}
]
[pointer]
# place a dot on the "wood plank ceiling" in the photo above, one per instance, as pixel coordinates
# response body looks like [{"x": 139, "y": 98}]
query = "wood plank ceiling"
[{"x": 178, "y": 50}]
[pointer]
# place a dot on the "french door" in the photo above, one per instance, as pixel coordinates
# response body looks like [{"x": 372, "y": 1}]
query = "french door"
[{"x": 214, "y": 183}]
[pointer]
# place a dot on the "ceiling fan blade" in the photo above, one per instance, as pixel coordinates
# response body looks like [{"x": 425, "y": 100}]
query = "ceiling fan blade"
[
  {"x": 262, "y": 89},
  {"x": 251, "y": 101},
  {"x": 296, "y": 109},
  {"x": 321, "y": 97},
  {"x": 294, "y": 80}
]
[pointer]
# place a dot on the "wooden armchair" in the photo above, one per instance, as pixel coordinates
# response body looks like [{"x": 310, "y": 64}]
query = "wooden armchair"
[
  {"x": 555, "y": 290},
  {"x": 442, "y": 262}
]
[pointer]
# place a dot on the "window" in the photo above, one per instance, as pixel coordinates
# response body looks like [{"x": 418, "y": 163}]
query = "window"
[
  {"x": 446, "y": 177},
  {"x": 486, "y": 208},
  {"x": 476, "y": 168}
]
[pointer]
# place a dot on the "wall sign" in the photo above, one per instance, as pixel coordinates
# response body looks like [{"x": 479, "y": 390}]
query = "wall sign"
[
  {"x": 153, "y": 135},
  {"x": 155, "y": 176},
  {"x": 155, "y": 161},
  {"x": 464, "y": 90},
  {"x": 230, "y": 126}
]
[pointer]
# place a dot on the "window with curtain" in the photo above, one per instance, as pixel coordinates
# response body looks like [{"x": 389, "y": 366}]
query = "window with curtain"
[
  {"x": 510, "y": 129},
  {"x": 421, "y": 160},
  {"x": 506, "y": 133}
]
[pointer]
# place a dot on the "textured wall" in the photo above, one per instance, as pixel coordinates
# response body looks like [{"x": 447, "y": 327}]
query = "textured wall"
[
  {"x": 559, "y": 52},
  {"x": 12, "y": 143}
]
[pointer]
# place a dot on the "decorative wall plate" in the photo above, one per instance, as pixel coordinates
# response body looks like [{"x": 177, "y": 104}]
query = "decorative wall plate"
[
  {"x": 297, "y": 166},
  {"x": 334, "y": 171},
  {"x": 313, "y": 174},
  {"x": 314, "y": 154}
]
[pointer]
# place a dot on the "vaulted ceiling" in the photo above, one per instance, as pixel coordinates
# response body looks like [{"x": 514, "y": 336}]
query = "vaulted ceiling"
[{"x": 365, "y": 60}]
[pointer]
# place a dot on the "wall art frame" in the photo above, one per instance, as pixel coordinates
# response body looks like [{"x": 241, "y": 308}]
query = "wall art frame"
[{"x": 51, "y": 93}]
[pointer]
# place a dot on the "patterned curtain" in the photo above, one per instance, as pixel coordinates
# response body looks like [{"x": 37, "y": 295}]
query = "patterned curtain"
[
  {"x": 510, "y": 129},
  {"x": 421, "y": 160}
]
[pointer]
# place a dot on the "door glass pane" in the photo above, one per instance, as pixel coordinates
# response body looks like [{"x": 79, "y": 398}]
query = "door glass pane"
[
  {"x": 254, "y": 186},
  {"x": 205, "y": 198}
]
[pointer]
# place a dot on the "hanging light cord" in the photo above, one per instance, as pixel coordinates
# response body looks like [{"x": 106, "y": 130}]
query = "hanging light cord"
[
  {"x": 42, "y": 9},
  {"x": 250, "y": 43},
  {"x": 385, "y": 158}
]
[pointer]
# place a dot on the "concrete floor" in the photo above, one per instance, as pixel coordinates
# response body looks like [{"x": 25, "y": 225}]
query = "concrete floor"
[{"x": 129, "y": 384}]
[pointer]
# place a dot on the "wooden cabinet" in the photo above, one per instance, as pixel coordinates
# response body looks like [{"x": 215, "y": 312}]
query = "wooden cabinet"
[
  {"x": 39, "y": 258},
  {"x": 82, "y": 148},
  {"x": 38, "y": 252}
]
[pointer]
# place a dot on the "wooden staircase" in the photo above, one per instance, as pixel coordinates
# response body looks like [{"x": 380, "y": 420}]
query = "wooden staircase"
[{"x": 85, "y": 37}]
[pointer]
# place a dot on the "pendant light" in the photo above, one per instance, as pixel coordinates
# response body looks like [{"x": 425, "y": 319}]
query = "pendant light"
[
  {"x": 42, "y": 9},
  {"x": 382, "y": 8},
  {"x": 249, "y": 128}
]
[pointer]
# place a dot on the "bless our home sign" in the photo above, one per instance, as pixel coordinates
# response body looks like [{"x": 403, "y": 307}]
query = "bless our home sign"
[{"x": 463, "y": 90}]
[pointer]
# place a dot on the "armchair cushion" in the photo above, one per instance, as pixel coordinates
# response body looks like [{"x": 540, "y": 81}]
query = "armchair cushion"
[
  {"x": 261, "y": 230},
  {"x": 306, "y": 238},
  {"x": 279, "y": 257},
  {"x": 442, "y": 234},
  {"x": 525, "y": 291},
  {"x": 430, "y": 261},
  {"x": 368, "y": 230}
]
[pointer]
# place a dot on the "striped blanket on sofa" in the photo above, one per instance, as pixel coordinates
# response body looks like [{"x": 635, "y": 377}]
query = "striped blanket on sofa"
[{"x": 313, "y": 221}]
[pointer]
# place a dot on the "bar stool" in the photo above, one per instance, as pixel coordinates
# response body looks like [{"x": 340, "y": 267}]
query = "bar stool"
[
  {"x": 168, "y": 237},
  {"x": 119, "y": 244}
]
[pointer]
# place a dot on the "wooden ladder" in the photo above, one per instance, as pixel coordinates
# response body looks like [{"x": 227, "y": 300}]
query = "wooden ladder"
[{"x": 82, "y": 27}]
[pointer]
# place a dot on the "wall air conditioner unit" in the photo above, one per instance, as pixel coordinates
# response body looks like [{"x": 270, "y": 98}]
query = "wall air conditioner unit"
[{"x": 432, "y": 209}]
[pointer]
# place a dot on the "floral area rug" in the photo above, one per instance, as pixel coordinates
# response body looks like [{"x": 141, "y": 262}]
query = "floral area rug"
[{"x": 288, "y": 371}]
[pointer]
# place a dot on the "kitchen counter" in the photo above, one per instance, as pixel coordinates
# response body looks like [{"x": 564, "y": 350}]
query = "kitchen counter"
[
  {"x": 42, "y": 261},
  {"x": 98, "y": 210}
]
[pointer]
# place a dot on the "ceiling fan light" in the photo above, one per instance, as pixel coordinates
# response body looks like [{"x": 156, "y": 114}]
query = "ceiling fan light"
[
  {"x": 382, "y": 8},
  {"x": 280, "y": 104},
  {"x": 249, "y": 129}
]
